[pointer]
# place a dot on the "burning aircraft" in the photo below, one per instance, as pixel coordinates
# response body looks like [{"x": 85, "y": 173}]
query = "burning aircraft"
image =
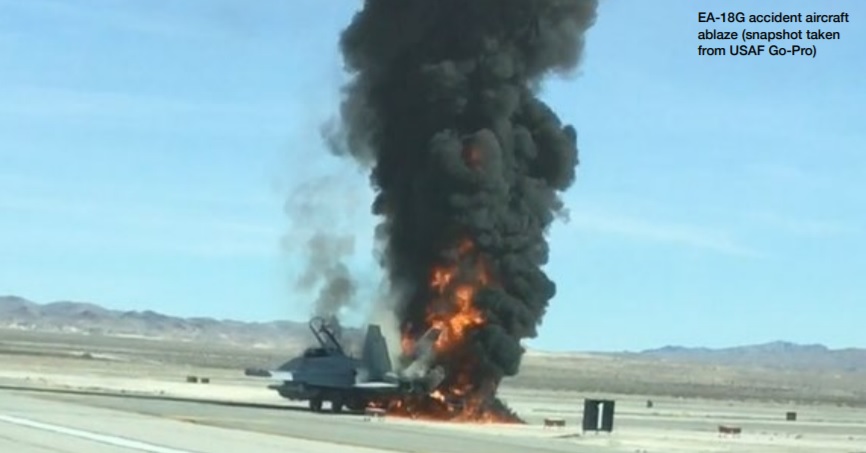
[
  {"x": 468, "y": 165},
  {"x": 326, "y": 373}
]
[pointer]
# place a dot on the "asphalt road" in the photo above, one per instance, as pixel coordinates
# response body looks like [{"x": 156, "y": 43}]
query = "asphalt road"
[
  {"x": 31, "y": 424},
  {"x": 346, "y": 430}
]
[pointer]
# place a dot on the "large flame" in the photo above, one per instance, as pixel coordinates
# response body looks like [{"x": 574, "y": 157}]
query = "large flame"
[
  {"x": 454, "y": 313},
  {"x": 452, "y": 309}
]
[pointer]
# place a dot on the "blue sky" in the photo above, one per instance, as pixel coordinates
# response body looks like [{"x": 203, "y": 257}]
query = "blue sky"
[{"x": 147, "y": 149}]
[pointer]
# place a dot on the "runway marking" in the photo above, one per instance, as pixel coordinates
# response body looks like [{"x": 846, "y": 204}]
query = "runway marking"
[{"x": 95, "y": 437}]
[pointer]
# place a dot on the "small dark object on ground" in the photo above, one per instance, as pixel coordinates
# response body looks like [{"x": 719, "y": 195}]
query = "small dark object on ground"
[
  {"x": 730, "y": 430},
  {"x": 554, "y": 422}
]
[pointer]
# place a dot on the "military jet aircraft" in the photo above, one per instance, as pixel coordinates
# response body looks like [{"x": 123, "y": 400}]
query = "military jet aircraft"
[{"x": 328, "y": 373}]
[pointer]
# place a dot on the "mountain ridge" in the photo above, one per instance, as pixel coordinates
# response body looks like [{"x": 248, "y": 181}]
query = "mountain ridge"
[
  {"x": 89, "y": 318},
  {"x": 775, "y": 354}
]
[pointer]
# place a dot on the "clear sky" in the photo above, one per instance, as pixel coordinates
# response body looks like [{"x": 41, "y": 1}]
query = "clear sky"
[{"x": 147, "y": 148}]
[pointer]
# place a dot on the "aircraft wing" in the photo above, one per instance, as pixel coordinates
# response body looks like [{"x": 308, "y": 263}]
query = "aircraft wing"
[{"x": 270, "y": 374}]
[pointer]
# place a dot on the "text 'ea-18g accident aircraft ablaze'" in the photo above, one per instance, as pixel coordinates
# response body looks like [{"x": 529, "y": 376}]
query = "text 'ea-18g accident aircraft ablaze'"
[{"x": 327, "y": 373}]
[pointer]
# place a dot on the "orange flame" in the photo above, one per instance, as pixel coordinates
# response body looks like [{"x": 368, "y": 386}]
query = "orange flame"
[
  {"x": 472, "y": 156},
  {"x": 459, "y": 291},
  {"x": 453, "y": 310}
]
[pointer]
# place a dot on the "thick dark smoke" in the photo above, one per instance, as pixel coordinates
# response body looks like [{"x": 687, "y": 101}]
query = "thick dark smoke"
[{"x": 444, "y": 106}]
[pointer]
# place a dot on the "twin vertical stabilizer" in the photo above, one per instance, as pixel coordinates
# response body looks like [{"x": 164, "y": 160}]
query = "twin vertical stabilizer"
[{"x": 375, "y": 356}]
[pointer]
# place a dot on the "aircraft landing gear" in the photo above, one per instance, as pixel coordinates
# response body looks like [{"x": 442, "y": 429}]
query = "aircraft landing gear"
[
  {"x": 316, "y": 404},
  {"x": 337, "y": 405}
]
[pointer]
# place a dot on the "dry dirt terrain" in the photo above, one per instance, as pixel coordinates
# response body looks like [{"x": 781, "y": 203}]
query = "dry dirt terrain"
[{"x": 689, "y": 401}]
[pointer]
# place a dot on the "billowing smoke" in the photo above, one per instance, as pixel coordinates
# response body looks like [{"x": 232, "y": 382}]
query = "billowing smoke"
[
  {"x": 325, "y": 268},
  {"x": 468, "y": 163},
  {"x": 325, "y": 252}
]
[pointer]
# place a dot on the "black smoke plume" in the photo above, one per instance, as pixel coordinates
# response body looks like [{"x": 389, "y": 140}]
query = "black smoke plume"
[{"x": 443, "y": 105}]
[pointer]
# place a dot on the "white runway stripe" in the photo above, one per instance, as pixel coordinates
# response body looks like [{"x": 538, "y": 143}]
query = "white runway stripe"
[{"x": 95, "y": 437}]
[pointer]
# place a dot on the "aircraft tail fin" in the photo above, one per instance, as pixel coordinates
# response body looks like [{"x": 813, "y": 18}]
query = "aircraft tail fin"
[{"x": 375, "y": 354}]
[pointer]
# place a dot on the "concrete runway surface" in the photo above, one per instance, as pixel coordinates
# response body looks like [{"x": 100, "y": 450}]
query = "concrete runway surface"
[
  {"x": 183, "y": 425},
  {"x": 30, "y": 424},
  {"x": 298, "y": 429}
]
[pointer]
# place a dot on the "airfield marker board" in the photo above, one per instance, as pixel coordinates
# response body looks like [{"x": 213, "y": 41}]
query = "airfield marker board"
[{"x": 598, "y": 415}]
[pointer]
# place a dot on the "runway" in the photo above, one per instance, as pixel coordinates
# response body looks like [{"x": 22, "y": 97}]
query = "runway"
[
  {"x": 35, "y": 425},
  {"x": 43, "y": 420},
  {"x": 191, "y": 426}
]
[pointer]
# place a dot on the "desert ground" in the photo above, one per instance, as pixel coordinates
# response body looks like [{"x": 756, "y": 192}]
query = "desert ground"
[{"x": 145, "y": 381}]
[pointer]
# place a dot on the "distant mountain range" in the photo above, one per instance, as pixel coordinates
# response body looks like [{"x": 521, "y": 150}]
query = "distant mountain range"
[
  {"x": 82, "y": 317},
  {"x": 88, "y": 318},
  {"x": 778, "y": 354}
]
